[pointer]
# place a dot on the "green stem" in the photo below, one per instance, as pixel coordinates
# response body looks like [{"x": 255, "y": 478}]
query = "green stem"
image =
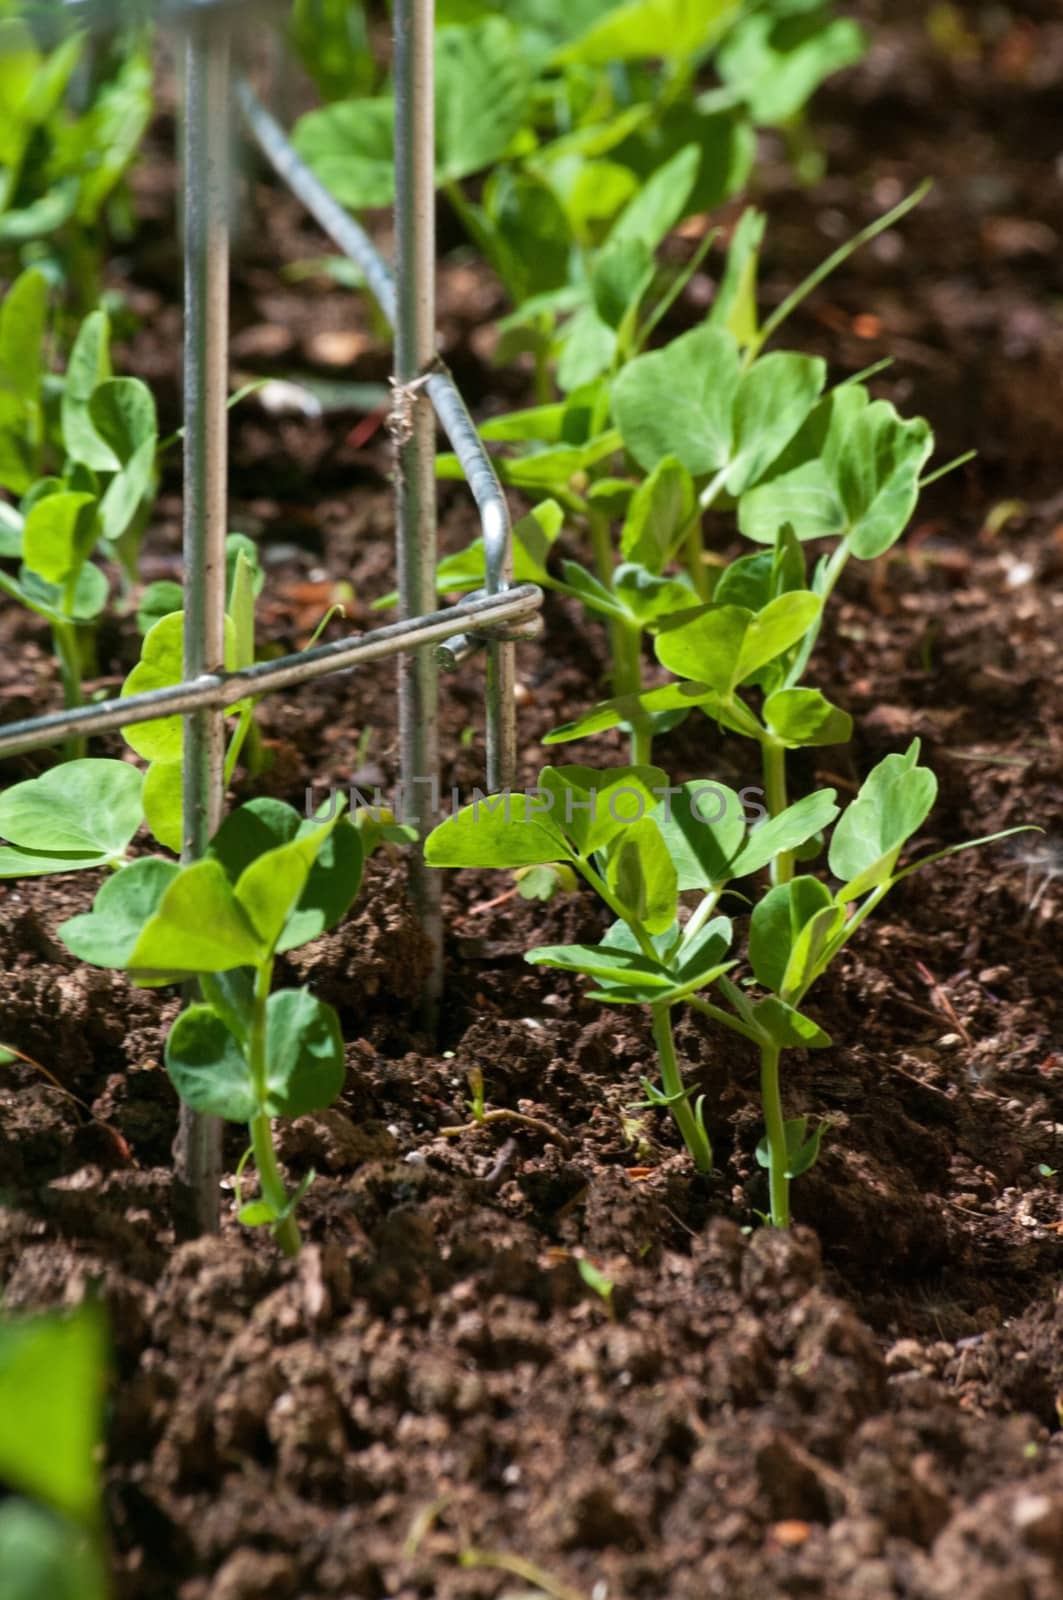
[
  {"x": 243, "y": 728},
  {"x": 627, "y": 648},
  {"x": 602, "y": 890},
  {"x": 774, "y": 758},
  {"x": 717, "y": 1014},
  {"x": 65, "y": 638},
  {"x": 775, "y": 1127},
  {"x": 694, "y": 1136},
  {"x": 286, "y": 1232}
]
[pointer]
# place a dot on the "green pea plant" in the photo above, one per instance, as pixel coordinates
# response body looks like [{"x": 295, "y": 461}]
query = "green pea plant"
[
  {"x": 269, "y": 883},
  {"x": 52, "y": 1371},
  {"x": 73, "y": 110},
  {"x": 636, "y": 458},
  {"x": 641, "y": 843},
  {"x": 79, "y": 452},
  {"x": 161, "y": 665},
  {"x": 572, "y": 111}
]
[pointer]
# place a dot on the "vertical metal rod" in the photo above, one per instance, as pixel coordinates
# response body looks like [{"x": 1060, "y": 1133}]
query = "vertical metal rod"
[
  {"x": 207, "y": 185},
  {"x": 414, "y": 427}
]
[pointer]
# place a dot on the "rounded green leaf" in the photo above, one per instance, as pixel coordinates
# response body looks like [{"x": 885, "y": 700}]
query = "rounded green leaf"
[
  {"x": 678, "y": 401},
  {"x": 199, "y": 927},
  {"x": 91, "y": 807},
  {"x": 642, "y": 876},
  {"x": 107, "y": 935},
  {"x": 164, "y": 803},
  {"x": 894, "y": 801},
  {"x": 776, "y": 924},
  {"x": 208, "y": 1068},
  {"x": 58, "y": 534},
  {"x": 304, "y": 1054},
  {"x": 501, "y": 830},
  {"x": 703, "y": 826},
  {"x": 52, "y": 1373},
  {"x": 89, "y": 366},
  {"x": 806, "y": 717},
  {"x": 161, "y": 665},
  {"x": 122, "y": 411}
]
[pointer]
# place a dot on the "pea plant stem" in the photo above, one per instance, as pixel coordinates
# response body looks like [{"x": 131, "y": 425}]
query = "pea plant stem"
[
  {"x": 774, "y": 759},
  {"x": 694, "y": 1136},
  {"x": 625, "y": 641},
  {"x": 775, "y": 1127},
  {"x": 64, "y": 635},
  {"x": 285, "y": 1232}
]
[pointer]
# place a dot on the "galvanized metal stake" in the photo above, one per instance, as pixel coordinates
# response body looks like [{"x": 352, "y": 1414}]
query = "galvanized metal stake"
[
  {"x": 413, "y": 427},
  {"x": 207, "y": 187}
]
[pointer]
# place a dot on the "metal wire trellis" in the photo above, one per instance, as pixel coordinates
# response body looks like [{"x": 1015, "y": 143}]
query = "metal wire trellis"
[{"x": 493, "y": 618}]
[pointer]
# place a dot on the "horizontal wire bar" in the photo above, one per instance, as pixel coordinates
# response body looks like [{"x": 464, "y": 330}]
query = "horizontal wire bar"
[
  {"x": 225, "y": 688},
  {"x": 353, "y": 240}
]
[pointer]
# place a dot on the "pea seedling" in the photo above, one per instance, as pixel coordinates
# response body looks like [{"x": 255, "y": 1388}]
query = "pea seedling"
[
  {"x": 640, "y": 843},
  {"x": 99, "y": 497},
  {"x": 269, "y": 883}
]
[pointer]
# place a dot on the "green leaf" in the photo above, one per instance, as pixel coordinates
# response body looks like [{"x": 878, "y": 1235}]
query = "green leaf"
[
  {"x": 678, "y": 402},
  {"x": 350, "y": 146},
  {"x": 658, "y": 206},
  {"x": 533, "y": 536},
  {"x": 159, "y": 600},
  {"x": 649, "y": 598},
  {"x": 659, "y": 512},
  {"x": 640, "y": 873},
  {"x": 806, "y": 717},
  {"x": 703, "y": 827},
  {"x": 58, "y": 534},
  {"x": 241, "y": 608},
  {"x": 164, "y": 803},
  {"x": 88, "y": 367},
  {"x": 696, "y": 953},
  {"x": 692, "y": 400},
  {"x": 483, "y": 89},
  {"x": 122, "y": 411},
  {"x": 52, "y": 1375},
  {"x": 670, "y": 697},
  {"x": 735, "y": 305},
  {"x": 107, "y": 935},
  {"x": 271, "y": 887},
  {"x": 503, "y": 830},
  {"x": 304, "y": 1054},
  {"x": 777, "y": 62},
  {"x": 801, "y": 821},
  {"x": 199, "y": 926},
  {"x": 303, "y": 1069},
  {"x": 90, "y": 808},
  {"x": 126, "y": 491},
  {"x": 161, "y": 665},
  {"x": 852, "y": 471},
  {"x": 592, "y": 807},
  {"x": 788, "y": 932},
  {"x": 787, "y": 1027},
  {"x": 22, "y": 319},
  {"x": 44, "y": 1554},
  {"x": 801, "y": 1152},
  {"x": 650, "y": 28},
  {"x": 879, "y": 477},
  {"x": 601, "y": 961},
  {"x": 773, "y": 400},
  {"x": 894, "y": 801},
  {"x": 208, "y": 1068},
  {"x": 723, "y": 646}
]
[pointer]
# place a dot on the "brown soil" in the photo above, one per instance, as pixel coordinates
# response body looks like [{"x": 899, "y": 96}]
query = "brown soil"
[{"x": 868, "y": 1408}]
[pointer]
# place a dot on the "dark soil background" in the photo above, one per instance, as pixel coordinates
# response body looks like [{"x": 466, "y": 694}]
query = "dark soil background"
[{"x": 867, "y": 1408}]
